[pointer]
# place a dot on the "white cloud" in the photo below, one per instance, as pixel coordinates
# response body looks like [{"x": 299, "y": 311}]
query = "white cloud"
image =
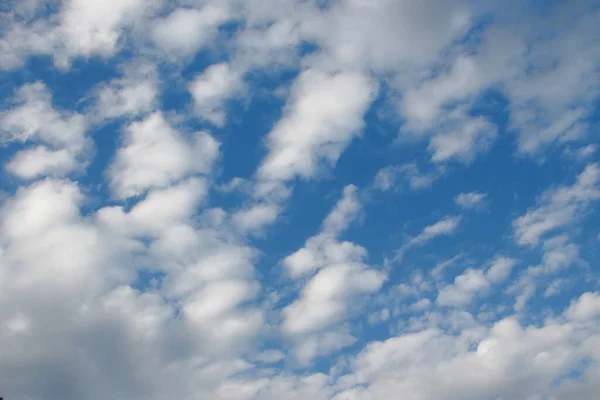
[
  {"x": 585, "y": 308},
  {"x": 586, "y": 151},
  {"x": 217, "y": 299},
  {"x": 549, "y": 83},
  {"x": 270, "y": 356},
  {"x": 41, "y": 161},
  {"x": 270, "y": 41},
  {"x": 551, "y": 105},
  {"x": 344, "y": 212},
  {"x": 475, "y": 282},
  {"x": 132, "y": 95},
  {"x": 385, "y": 35},
  {"x": 320, "y": 251},
  {"x": 21, "y": 41},
  {"x": 163, "y": 208},
  {"x": 95, "y": 27},
  {"x": 509, "y": 361},
  {"x": 559, "y": 207},
  {"x": 324, "y": 248},
  {"x": 73, "y": 324},
  {"x": 461, "y": 138},
  {"x": 41, "y": 218},
  {"x": 323, "y": 344},
  {"x": 388, "y": 178},
  {"x": 33, "y": 118},
  {"x": 323, "y": 114},
  {"x": 255, "y": 217},
  {"x": 40, "y": 206},
  {"x": 17, "y": 324},
  {"x": 85, "y": 289},
  {"x": 323, "y": 300},
  {"x": 470, "y": 200},
  {"x": 79, "y": 28},
  {"x": 465, "y": 287},
  {"x": 500, "y": 269},
  {"x": 341, "y": 277},
  {"x": 385, "y": 179},
  {"x": 155, "y": 155},
  {"x": 422, "y": 105},
  {"x": 27, "y": 8},
  {"x": 421, "y": 305},
  {"x": 212, "y": 88},
  {"x": 441, "y": 266},
  {"x": 186, "y": 30},
  {"x": 445, "y": 226},
  {"x": 558, "y": 254}
]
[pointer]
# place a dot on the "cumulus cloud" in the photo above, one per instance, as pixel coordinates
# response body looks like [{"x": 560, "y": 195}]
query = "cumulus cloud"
[
  {"x": 186, "y": 30},
  {"x": 407, "y": 362},
  {"x": 559, "y": 253},
  {"x": 474, "y": 282},
  {"x": 60, "y": 135},
  {"x": 375, "y": 35},
  {"x": 132, "y": 95},
  {"x": 339, "y": 275},
  {"x": 212, "y": 88},
  {"x": 33, "y": 118},
  {"x": 155, "y": 155},
  {"x": 323, "y": 114},
  {"x": 500, "y": 269},
  {"x": 255, "y": 217},
  {"x": 41, "y": 161},
  {"x": 585, "y": 308},
  {"x": 73, "y": 29},
  {"x": 154, "y": 285}
]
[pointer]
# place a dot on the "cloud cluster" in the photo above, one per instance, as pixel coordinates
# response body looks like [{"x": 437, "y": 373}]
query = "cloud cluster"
[{"x": 124, "y": 274}]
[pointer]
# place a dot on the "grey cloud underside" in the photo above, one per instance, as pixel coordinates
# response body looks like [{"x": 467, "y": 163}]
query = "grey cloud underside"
[{"x": 76, "y": 324}]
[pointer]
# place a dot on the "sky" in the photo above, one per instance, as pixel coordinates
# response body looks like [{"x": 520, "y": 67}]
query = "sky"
[{"x": 299, "y": 199}]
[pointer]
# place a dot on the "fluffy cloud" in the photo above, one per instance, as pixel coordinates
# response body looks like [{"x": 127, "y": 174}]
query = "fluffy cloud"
[
  {"x": 185, "y": 30},
  {"x": 386, "y": 34},
  {"x": 79, "y": 28},
  {"x": 406, "y": 363},
  {"x": 62, "y": 134},
  {"x": 155, "y": 155},
  {"x": 475, "y": 281},
  {"x": 255, "y": 217},
  {"x": 585, "y": 308},
  {"x": 41, "y": 161},
  {"x": 338, "y": 276},
  {"x": 133, "y": 94},
  {"x": 153, "y": 285},
  {"x": 212, "y": 88},
  {"x": 33, "y": 118},
  {"x": 323, "y": 114}
]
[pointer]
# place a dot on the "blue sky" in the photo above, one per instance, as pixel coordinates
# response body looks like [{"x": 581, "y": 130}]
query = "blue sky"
[{"x": 266, "y": 199}]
